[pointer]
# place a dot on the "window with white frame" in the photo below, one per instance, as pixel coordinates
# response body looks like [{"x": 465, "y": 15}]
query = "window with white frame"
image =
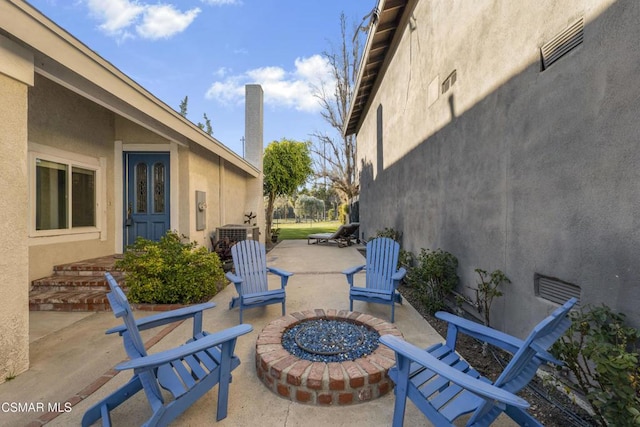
[{"x": 65, "y": 190}]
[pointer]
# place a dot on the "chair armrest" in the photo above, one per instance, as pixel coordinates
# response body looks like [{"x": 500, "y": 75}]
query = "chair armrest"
[
  {"x": 351, "y": 271},
  {"x": 284, "y": 275},
  {"x": 279, "y": 272},
  {"x": 480, "y": 388},
  {"x": 481, "y": 332},
  {"x": 233, "y": 278},
  {"x": 492, "y": 336},
  {"x": 399, "y": 275},
  {"x": 164, "y": 357},
  {"x": 237, "y": 282},
  {"x": 165, "y": 317}
]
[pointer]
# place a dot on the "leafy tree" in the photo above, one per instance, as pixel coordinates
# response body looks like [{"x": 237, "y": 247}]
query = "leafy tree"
[
  {"x": 325, "y": 193},
  {"x": 183, "y": 106},
  {"x": 283, "y": 207},
  {"x": 286, "y": 166},
  {"x": 206, "y": 126},
  {"x": 309, "y": 207},
  {"x": 336, "y": 157}
]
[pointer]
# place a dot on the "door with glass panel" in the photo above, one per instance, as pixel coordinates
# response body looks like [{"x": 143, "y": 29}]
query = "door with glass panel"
[{"x": 146, "y": 196}]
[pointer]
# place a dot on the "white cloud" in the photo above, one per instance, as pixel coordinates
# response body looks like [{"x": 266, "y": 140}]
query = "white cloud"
[
  {"x": 221, "y": 2},
  {"x": 116, "y": 15},
  {"x": 229, "y": 91},
  {"x": 164, "y": 21},
  {"x": 150, "y": 21},
  {"x": 294, "y": 89},
  {"x": 315, "y": 69},
  {"x": 221, "y": 72}
]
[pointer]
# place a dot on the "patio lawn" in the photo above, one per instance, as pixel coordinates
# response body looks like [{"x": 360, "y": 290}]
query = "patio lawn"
[{"x": 296, "y": 231}]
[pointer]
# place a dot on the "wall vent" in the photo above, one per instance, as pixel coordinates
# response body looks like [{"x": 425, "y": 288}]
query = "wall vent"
[
  {"x": 555, "y": 290},
  {"x": 562, "y": 44}
]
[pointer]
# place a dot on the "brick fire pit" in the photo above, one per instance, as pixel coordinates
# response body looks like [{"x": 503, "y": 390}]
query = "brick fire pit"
[{"x": 324, "y": 383}]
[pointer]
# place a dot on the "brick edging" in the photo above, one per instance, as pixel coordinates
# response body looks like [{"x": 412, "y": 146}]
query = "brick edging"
[{"x": 320, "y": 383}]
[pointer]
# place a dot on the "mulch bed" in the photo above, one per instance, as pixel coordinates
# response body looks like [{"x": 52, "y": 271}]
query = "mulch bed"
[{"x": 559, "y": 412}]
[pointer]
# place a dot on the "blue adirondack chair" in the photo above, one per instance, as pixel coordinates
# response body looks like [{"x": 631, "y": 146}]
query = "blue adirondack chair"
[
  {"x": 443, "y": 386},
  {"x": 187, "y": 372},
  {"x": 382, "y": 275},
  {"x": 250, "y": 278}
]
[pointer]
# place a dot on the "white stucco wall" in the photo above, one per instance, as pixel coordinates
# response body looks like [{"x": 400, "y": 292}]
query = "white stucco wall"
[
  {"x": 226, "y": 188},
  {"x": 16, "y": 73},
  {"x": 62, "y": 121}
]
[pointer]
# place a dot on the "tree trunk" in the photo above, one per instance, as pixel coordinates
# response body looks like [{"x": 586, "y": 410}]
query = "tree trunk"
[{"x": 269, "y": 217}]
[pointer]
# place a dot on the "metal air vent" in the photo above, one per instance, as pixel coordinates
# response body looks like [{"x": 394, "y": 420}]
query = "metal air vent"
[
  {"x": 236, "y": 233},
  {"x": 562, "y": 44},
  {"x": 555, "y": 290}
]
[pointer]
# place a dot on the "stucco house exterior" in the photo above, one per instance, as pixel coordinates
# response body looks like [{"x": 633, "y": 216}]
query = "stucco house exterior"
[
  {"x": 507, "y": 133},
  {"x": 90, "y": 160}
]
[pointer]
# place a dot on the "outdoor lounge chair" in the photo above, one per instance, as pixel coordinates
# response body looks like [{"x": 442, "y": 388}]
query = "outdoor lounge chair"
[
  {"x": 382, "y": 275},
  {"x": 250, "y": 278},
  {"x": 187, "y": 372},
  {"x": 443, "y": 386},
  {"x": 343, "y": 236}
]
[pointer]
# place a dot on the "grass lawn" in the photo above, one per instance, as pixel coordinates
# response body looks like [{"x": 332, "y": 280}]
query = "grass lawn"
[{"x": 292, "y": 231}]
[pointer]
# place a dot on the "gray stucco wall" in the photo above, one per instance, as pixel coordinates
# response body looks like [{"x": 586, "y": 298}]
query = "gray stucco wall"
[{"x": 513, "y": 168}]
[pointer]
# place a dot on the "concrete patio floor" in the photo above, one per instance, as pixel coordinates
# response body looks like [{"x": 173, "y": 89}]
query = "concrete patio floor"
[{"x": 72, "y": 359}]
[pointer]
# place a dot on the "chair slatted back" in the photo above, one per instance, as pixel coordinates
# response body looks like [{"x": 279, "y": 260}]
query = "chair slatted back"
[
  {"x": 523, "y": 366},
  {"x": 250, "y": 262},
  {"x": 382, "y": 263},
  {"x": 133, "y": 343}
]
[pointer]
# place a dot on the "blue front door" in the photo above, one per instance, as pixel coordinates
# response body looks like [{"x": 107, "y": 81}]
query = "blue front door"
[{"x": 147, "y": 196}]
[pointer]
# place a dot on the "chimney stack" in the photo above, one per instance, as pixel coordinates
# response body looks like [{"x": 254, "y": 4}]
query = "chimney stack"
[{"x": 254, "y": 150}]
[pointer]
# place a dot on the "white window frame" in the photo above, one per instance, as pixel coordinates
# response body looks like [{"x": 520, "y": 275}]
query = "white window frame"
[{"x": 97, "y": 164}]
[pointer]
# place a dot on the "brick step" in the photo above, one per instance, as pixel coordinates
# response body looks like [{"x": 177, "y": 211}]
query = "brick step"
[
  {"x": 59, "y": 282},
  {"x": 52, "y": 300},
  {"x": 81, "y": 286},
  {"x": 77, "y": 286},
  {"x": 91, "y": 267}
]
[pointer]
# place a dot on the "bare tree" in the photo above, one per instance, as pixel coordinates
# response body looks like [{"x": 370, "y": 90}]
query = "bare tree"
[{"x": 335, "y": 158}]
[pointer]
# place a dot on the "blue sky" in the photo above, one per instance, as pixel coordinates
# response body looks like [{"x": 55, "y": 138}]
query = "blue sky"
[{"x": 209, "y": 49}]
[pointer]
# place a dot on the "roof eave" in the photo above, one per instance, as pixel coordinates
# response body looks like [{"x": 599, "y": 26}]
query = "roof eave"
[
  {"x": 382, "y": 41},
  {"x": 70, "y": 62}
]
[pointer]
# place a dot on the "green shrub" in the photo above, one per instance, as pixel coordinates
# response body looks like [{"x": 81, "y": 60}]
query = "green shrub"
[
  {"x": 602, "y": 353},
  {"x": 170, "y": 271},
  {"x": 435, "y": 275}
]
